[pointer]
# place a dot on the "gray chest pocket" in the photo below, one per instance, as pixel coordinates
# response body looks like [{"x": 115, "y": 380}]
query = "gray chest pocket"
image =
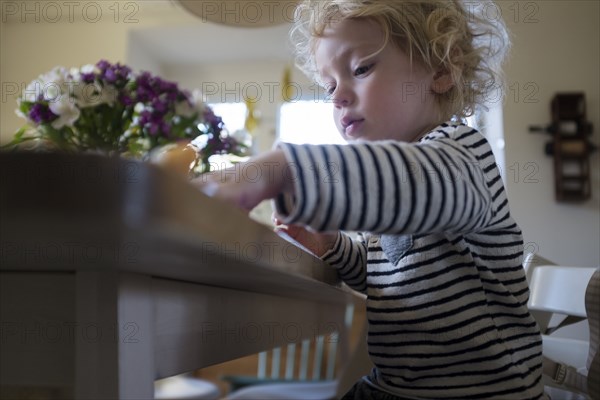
[{"x": 395, "y": 246}]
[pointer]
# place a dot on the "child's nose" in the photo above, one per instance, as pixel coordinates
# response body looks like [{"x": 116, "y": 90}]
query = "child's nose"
[{"x": 342, "y": 96}]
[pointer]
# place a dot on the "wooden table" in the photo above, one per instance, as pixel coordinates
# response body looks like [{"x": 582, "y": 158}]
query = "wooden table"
[{"x": 115, "y": 273}]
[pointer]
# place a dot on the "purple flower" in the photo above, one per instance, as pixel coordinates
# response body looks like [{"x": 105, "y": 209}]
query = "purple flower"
[
  {"x": 144, "y": 90},
  {"x": 153, "y": 129},
  {"x": 103, "y": 65},
  {"x": 116, "y": 74},
  {"x": 125, "y": 99},
  {"x": 166, "y": 128},
  {"x": 167, "y": 87},
  {"x": 229, "y": 144},
  {"x": 150, "y": 88},
  {"x": 88, "y": 77},
  {"x": 158, "y": 127},
  {"x": 154, "y": 123},
  {"x": 110, "y": 75},
  {"x": 41, "y": 113},
  {"x": 142, "y": 94},
  {"x": 215, "y": 122},
  {"x": 159, "y": 105},
  {"x": 145, "y": 117}
]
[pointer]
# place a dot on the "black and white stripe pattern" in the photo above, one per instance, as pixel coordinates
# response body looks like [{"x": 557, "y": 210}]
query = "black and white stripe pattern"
[{"x": 440, "y": 261}]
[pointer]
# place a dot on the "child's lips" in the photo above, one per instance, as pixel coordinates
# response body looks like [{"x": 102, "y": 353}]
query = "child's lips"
[{"x": 352, "y": 127}]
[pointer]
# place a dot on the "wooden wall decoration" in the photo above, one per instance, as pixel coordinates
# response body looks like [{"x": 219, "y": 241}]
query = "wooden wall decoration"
[{"x": 570, "y": 146}]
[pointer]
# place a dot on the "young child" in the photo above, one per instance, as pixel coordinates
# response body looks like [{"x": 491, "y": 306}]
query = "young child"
[{"x": 439, "y": 255}]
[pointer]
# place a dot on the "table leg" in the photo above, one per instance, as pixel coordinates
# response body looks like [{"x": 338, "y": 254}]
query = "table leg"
[{"x": 114, "y": 355}]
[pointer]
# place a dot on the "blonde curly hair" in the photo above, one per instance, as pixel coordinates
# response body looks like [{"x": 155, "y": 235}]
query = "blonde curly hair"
[{"x": 454, "y": 36}]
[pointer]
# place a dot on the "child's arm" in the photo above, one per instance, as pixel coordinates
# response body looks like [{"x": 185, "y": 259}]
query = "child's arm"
[
  {"x": 349, "y": 257},
  {"x": 380, "y": 187},
  {"x": 247, "y": 184},
  {"x": 316, "y": 242},
  {"x": 396, "y": 188},
  {"x": 269, "y": 175},
  {"x": 336, "y": 248}
]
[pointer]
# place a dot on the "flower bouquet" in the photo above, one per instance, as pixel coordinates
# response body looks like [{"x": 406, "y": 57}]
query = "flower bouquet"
[{"x": 109, "y": 109}]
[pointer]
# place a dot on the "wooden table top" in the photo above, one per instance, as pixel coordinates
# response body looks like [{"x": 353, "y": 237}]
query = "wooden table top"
[{"x": 64, "y": 213}]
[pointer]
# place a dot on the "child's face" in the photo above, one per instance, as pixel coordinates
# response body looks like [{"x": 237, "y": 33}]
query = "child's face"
[{"x": 381, "y": 97}]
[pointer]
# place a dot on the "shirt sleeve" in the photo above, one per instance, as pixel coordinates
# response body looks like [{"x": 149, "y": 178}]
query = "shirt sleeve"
[
  {"x": 349, "y": 257},
  {"x": 389, "y": 187}
]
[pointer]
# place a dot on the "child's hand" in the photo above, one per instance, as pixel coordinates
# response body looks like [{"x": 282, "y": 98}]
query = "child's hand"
[
  {"x": 247, "y": 184},
  {"x": 316, "y": 243}
]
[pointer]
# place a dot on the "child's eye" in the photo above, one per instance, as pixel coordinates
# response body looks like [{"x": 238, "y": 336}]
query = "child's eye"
[
  {"x": 362, "y": 70},
  {"x": 329, "y": 89}
]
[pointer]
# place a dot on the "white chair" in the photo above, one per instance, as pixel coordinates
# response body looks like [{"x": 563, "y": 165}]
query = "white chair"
[
  {"x": 530, "y": 261},
  {"x": 185, "y": 387},
  {"x": 322, "y": 384},
  {"x": 571, "y": 365}
]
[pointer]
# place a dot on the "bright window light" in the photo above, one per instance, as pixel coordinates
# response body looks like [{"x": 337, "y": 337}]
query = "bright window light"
[
  {"x": 233, "y": 114},
  {"x": 308, "y": 122}
]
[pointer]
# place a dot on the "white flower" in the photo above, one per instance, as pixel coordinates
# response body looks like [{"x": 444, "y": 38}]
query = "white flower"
[
  {"x": 200, "y": 142},
  {"x": 185, "y": 109},
  {"x": 93, "y": 94},
  {"x": 242, "y": 136},
  {"x": 56, "y": 85},
  {"x": 89, "y": 94},
  {"x": 145, "y": 143},
  {"x": 108, "y": 95},
  {"x": 33, "y": 91},
  {"x": 67, "y": 112},
  {"x": 84, "y": 94},
  {"x": 89, "y": 69}
]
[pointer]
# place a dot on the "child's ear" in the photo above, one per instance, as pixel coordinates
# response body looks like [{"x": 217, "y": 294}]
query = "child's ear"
[{"x": 442, "y": 82}]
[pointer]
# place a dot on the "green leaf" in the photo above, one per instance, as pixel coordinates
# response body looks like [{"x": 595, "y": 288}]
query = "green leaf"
[{"x": 18, "y": 138}]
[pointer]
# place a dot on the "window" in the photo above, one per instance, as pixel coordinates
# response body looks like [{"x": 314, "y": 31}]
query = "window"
[
  {"x": 311, "y": 122},
  {"x": 233, "y": 114},
  {"x": 308, "y": 122}
]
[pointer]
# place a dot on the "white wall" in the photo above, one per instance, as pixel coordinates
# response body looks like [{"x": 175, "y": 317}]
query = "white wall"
[
  {"x": 138, "y": 57},
  {"x": 555, "y": 48}
]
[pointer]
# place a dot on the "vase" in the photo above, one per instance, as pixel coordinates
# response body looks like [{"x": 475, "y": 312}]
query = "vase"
[{"x": 178, "y": 157}]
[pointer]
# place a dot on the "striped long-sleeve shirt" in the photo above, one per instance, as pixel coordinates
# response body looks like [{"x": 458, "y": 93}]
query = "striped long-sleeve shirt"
[{"x": 439, "y": 260}]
